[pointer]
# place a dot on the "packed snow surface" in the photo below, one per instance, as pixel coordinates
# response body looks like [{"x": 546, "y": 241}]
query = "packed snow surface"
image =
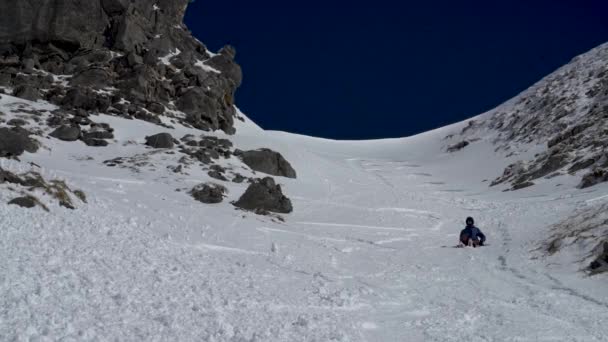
[{"x": 366, "y": 255}]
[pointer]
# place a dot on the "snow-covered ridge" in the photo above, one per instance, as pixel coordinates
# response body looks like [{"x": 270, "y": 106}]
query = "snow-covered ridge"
[{"x": 557, "y": 127}]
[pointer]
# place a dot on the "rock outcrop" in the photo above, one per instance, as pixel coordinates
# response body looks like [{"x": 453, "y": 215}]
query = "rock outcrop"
[
  {"x": 132, "y": 58},
  {"x": 209, "y": 193},
  {"x": 160, "y": 140},
  {"x": 267, "y": 161},
  {"x": 264, "y": 196}
]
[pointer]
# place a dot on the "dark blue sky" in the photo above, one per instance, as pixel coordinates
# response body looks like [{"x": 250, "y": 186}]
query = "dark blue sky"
[{"x": 371, "y": 69}]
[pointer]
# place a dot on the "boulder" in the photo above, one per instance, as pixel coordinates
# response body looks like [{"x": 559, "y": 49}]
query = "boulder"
[
  {"x": 27, "y": 92},
  {"x": 217, "y": 175},
  {"x": 95, "y": 142},
  {"x": 263, "y": 196},
  {"x": 161, "y": 140},
  {"x": 79, "y": 99},
  {"x": 66, "y": 133},
  {"x": 92, "y": 77},
  {"x": 267, "y": 161},
  {"x": 208, "y": 193},
  {"x": 458, "y": 146},
  {"x": 224, "y": 62},
  {"x": 592, "y": 178},
  {"x": 25, "y": 202},
  {"x": 13, "y": 142}
]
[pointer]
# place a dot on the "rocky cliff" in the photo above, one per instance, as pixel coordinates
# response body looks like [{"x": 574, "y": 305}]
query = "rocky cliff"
[{"x": 131, "y": 58}]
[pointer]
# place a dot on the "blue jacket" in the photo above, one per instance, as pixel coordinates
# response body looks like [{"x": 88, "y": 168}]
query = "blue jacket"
[{"x": 473, "y": 232}]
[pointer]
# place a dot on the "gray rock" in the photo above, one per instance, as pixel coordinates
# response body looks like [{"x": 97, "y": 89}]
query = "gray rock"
[
  {"x": 67, "y": 133},
  {"x": 9, "y": 177},
  {"x": 267, "y": 161},
  {"x": 263, "y": 196},
  {"x": 592, "y": 178},
  {"x": 208, "y": 193},
  {"x": 17, "y": 122},
  {"x": 161, "y": 140},
  {"x": 95, "y": 142},
  {"x": 27, "y": 92},
  {"x": 25, "y": 202},
  {"x": 87, "y": 23},
  {"x": 238, "y": 178},
  {"x": 217, "y": 175},
  {"x": 92, "y": 77},
  {"x": 80, "y": 99},
  {"x": 14, "y": 142},
  {"x": 458, "y": 146}
]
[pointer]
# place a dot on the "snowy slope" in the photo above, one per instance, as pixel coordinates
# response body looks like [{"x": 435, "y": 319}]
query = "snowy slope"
[{"x": 364, "y": 257}]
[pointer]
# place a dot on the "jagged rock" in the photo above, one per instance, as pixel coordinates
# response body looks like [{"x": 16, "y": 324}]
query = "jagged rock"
[
  {"x": 264, "y": 196},
  {"x": 267, "y": 161},
  {"x": 200, "y": 108},
  {"x": 238, "y": 178},
  {"x": 9, "y": 177},
  {"x": 27, "y": 92},
  {"x": 13, "y": 142},
  {"x": 523, "y": 185},
  {"x": 88, "y": 23},
  {"x": 224, "y": 62},
  {"x": 593, "y": 178},
  {"x": 458, "y": 146},
  {"x": 93, "y": 142},
  {"x": 93, "y": 77},
  {"x": 217, "y": 175},
  {"x": 208, "y": 193},
  {"x": 79, "y": 98},
  {"x": 67, "y": 133},
  {"x": 25, "y": 202},
  {"x": 17, "y": 122},
  {"x": 161, "y": 140}
]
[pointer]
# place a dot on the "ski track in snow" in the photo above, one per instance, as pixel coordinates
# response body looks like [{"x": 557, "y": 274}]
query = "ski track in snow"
[{"x": 360, "y": 259}]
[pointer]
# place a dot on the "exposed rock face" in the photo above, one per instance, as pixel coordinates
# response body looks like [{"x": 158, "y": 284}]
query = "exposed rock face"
[
  {"x": 132, "y": 58},
  {"x": 263, "y": 196},
  {"x": 161, "y": 140},
  {"x": 88, "y": 23},
  {"x": 208, "y": 193},
  {"x": 267, "y": 161},
  {"x": 14, "y": 142}
]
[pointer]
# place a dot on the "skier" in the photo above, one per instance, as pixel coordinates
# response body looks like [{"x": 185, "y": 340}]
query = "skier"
[{"x": 471, "y": 235}]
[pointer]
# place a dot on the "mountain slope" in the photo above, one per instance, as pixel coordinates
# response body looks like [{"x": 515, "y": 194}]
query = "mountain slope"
[
  {"x": 115, "y": 247},
  {"x": 558, "y": 126}
]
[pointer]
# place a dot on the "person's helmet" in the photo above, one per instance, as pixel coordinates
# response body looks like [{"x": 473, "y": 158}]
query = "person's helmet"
[{"x": 470, "y": 221}]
